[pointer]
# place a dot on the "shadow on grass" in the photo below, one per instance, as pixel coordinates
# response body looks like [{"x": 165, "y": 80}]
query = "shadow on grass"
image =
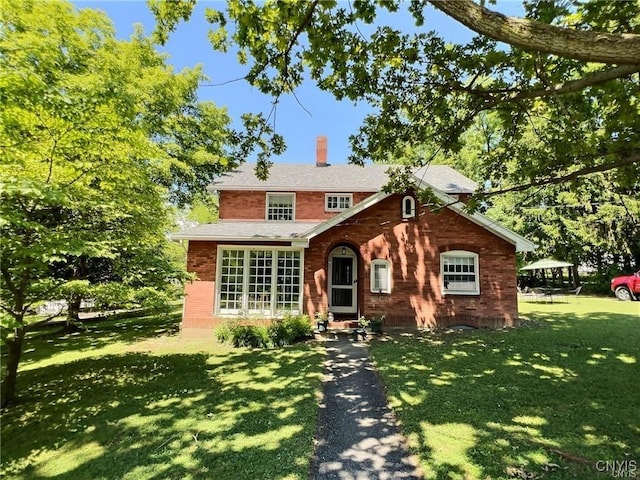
[
  {"x": 238, "y": 415},
  {"x": 44, "y": 344},
  {"x": 545, "y": 401}
]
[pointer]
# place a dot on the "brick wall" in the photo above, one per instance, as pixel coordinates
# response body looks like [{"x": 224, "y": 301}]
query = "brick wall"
[
  {"x": 413, "y": 247},
  {"x": 201, "y": 259},
  {"x": 199, "y": 294},
  {"x": 251, "y": 205},
  {"x": 199, "y": 306}
]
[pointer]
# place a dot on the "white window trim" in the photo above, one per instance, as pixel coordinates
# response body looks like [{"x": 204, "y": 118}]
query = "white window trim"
[
  {"x": 338, "y": 209},
  {"x": 412, "y": 214},
  {"x": 460, "y": 253},
  {"x": 293, "y": 205},
  {"x": 272, "y": 313},
  {"x": 387, "y": 264}
]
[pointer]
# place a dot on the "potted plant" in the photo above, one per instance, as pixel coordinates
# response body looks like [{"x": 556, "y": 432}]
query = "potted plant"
[
  {"x": 322, "y": 320},
  {"x": 361, "y": 331},
  {"x": 363, "y": 322},
  {"x": 376, "y": 323}
]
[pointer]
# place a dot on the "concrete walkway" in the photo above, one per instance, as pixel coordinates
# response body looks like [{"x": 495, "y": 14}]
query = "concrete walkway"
[{"x": 357, "y": 436}]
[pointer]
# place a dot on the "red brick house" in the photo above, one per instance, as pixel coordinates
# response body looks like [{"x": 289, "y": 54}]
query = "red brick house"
[{"x": 319, "y": 236}]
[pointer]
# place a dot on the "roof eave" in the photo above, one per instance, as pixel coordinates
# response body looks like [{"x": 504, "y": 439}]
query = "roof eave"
[
  {"x": 222, "y": 238},
  {"x": 521, "y": 243},
  {"x": 286, "y": 188}
]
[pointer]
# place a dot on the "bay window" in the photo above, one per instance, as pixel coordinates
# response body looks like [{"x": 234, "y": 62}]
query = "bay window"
[{"x": 258, "y": 280}]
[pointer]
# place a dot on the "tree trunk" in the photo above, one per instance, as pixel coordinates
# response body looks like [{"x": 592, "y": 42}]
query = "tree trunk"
[
  {"x": 570, "y": 277},
  {"x": 588, "y": 46},
  {"x": 73, "y": 311},
  {"x": 576, "y": 277},
  {"x": 14, "y": 352}
]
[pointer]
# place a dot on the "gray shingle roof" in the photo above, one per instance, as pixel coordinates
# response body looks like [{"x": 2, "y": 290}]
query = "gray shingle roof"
[
  {"x": 233, "y": 230},
  {"x": 445, "y": 179},
  {"x": 337, "y": 178}
]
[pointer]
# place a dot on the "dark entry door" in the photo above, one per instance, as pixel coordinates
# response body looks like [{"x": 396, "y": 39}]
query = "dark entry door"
[{"x": 343, "y": 284}]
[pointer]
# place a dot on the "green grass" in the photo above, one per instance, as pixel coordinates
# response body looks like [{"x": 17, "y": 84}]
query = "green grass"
[
  {"x": 549, "y": 399},
  {"x": 129, "y": 400}
]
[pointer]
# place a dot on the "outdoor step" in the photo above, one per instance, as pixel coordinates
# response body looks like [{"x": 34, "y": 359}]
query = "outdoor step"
[
  {"x": 342, "y": 324},
  {"x": 325, "y": 336}
]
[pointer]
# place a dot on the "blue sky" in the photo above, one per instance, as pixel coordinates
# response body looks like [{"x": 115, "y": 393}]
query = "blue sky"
[{"x": 189, "y": 46}]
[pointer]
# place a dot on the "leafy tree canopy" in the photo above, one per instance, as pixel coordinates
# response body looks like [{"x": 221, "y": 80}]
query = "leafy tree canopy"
[
  {"x": 591, "y": 223},
  {"x": 570, "y": 65},
  {"x": 98, "y": 137}
]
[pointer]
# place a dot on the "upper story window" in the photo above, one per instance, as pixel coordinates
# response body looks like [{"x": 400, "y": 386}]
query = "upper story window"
[
  {"x": 281, "y": 207},
  {"x": 408, "y": 207},
  {"x": 380, "y": 276},
  {"x": 459, "y": 273},
  {"x": 337, "y": 202}
]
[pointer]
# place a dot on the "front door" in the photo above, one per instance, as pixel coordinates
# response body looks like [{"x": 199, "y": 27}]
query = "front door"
[{"x": 343, "y": 277}]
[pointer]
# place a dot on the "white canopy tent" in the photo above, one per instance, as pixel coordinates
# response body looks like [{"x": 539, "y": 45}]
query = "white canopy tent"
[{"x": 546, "y": 263}]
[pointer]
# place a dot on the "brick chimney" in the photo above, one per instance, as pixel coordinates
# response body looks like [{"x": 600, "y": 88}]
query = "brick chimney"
[{"x": 321, "y": 152}]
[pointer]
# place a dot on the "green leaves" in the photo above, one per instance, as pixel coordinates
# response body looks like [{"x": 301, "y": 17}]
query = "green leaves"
[
  {"x": 97, "y": 136},
  {"x": 575, "y": 115},
  {"x": 171, "y": 13}
]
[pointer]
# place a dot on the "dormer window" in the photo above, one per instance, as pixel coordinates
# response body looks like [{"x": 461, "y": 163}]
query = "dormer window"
[
  {"x": 280, "y": 207},
  {"x": 408, "y": 207},
  {"x": 337, "y": 202}
]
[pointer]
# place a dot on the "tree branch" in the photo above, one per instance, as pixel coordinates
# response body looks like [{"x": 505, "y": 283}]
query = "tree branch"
[
  {"x": 292, "y": 42},
  {"x": 307, "y": 19},
  {"x": 578, "y": 173},
  {"x": 589, "y": 46},
  {"x": 589, "y": 80}
]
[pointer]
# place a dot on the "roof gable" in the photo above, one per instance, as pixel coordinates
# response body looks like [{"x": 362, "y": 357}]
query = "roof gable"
[{"x": 521, "y": 243}]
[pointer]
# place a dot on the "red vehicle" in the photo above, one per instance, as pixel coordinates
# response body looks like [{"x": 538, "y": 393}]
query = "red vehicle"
[{"x": 626, "y": 287}]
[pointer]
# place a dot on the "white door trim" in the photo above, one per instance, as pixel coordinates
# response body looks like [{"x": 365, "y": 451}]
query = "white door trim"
[{"x": 348, "y": 253}]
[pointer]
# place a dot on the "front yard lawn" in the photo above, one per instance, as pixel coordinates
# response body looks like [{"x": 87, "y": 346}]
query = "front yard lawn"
[
  {"x": 120, "y": 401},
  {"x": 545, "y": 401}
]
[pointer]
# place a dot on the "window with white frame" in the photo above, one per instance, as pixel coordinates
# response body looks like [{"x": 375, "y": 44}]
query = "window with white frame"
[
  {"x": 259, "y": 280},
  {"x": 288, "y": 281},
  {"x": 408, "y": 207},
  {"x": 280, "y": 207},
  {"x": 337, "y": 202},
  {"x": 380, "y": 276},
  {"x": 459, "y": 273},
  {"x": 231, "y": 290}
]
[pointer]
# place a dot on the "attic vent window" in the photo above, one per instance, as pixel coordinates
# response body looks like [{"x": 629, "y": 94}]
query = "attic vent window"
[
  {"x": 408, "y": 207},
  {"x": 280, "y": 207},
  {"x": 338, "y": 202}
]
